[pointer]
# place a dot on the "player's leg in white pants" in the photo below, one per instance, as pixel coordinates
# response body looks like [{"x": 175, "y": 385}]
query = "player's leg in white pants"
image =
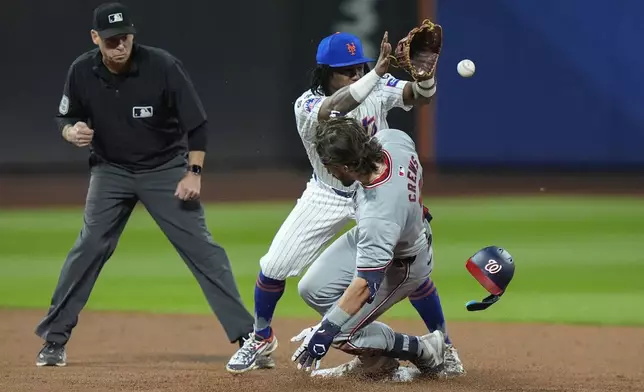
[
  {"x": 317, "y": 217},
  {"x": 330, "y": 275}
]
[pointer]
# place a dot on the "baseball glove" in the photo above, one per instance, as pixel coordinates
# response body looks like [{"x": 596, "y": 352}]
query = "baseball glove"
[{"x": 418, "y": 52}]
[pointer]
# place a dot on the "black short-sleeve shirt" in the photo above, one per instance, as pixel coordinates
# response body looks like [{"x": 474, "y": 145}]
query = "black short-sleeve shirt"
[{"x": 140, "y": 119}]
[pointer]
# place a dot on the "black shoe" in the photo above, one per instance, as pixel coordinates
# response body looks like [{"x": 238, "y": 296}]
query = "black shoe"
[
  {"x": 52, "y": 354},
  {"x": 241, "y": 340}
]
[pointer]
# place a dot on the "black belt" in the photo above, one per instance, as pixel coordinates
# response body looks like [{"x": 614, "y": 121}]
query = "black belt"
[
  {"x": 339, "y": 192},
  {"x": 405, "y": 260}
]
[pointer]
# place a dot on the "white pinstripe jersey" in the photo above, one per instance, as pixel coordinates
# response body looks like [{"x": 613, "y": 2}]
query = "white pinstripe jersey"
[{"x": 387, "y": 94}]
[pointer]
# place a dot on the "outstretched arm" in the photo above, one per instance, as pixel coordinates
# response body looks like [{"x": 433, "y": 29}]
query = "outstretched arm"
[
  {"x": 419, "y": 93},
  {"x": 356, "y": 295},
  {"x": 350, "y": 97},
  {"x": 376, "y": 241},
  {"x": 397, "y": 93},
  {"x": 418, "y": 54}
]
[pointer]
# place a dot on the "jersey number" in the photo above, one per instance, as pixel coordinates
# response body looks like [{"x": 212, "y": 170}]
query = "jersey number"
[{"x": 369, "y": 123}]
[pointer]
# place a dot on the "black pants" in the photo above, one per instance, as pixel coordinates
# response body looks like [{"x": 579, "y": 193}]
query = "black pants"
[{"x": 113, "y": 192}]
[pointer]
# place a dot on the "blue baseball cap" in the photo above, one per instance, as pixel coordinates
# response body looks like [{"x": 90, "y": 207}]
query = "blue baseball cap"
[{"x": 341, "y": 50}]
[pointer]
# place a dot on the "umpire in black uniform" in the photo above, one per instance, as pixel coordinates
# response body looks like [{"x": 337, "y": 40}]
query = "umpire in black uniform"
[{"x": 134, "y": 105}]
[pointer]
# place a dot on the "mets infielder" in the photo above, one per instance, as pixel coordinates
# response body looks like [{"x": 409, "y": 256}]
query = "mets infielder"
[
  {"x": 341, "y": 83},
  {"x": 380, "y": 261}
]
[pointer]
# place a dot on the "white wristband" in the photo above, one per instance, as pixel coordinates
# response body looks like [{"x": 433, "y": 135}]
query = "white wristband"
[
  {"x": 362, "y": 88},
  {"x": 426, "y": 88},
  {"x": 427, "y": 83}
]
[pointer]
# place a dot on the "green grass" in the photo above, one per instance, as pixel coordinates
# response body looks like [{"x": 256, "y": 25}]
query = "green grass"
[{"x": 578, "y": 259}]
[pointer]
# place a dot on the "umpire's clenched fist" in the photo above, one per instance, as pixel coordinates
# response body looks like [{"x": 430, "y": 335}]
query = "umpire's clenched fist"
[{"x": 79, "y": 134}]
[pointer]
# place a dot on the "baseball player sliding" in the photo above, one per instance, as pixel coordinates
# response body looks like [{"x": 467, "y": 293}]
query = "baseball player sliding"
[
  {"x": 341, "y": 83},
  {"x": 390, "y": 247}
]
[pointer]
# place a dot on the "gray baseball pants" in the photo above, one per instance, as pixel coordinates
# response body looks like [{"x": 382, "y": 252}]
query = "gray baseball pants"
[
  {"x": 112, "y": 195},
  {"x": 330, "y": 275}
]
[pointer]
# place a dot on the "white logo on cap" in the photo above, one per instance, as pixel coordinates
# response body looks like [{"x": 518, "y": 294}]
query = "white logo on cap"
[
  {"x": 493, "y": 267},
  {"x": 113, "y": 18}
]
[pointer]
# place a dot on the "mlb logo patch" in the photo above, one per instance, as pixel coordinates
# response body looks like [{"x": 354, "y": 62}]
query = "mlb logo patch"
[
  {"x": 392, "y": 82},
  {"x": 401, "y": 171},
  {"x": 115, "y": 18},
  {"x": 142, "y": 111}
]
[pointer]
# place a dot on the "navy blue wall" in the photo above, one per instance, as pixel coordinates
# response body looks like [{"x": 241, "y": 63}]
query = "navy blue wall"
[{"x": 558, "y": 82}]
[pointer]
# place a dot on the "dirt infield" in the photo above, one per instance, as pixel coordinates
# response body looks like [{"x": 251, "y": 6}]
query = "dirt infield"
[
  {"x": 55, "y": 190},
  {"x": 136, "y": 352}
]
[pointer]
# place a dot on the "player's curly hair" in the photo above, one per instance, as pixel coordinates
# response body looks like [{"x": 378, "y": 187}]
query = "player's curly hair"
[
  {"x": 343, "y": 141},
  {"x": 321, "y": 76}
]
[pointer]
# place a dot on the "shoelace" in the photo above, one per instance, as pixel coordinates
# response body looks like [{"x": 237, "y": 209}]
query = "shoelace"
[
  {"x": 247, "y": 349},
  {"x": 453, "y": 364}
]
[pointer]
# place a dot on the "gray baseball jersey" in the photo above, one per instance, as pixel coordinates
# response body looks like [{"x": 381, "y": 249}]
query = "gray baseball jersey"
[
  {"x": 390, "y": 227},
  {"x": 389, "y": 212}
]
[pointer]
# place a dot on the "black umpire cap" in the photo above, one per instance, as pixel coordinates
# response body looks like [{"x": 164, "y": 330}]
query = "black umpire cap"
[
  {"x": 493, "y": 268},
  {"x": 112, "y": 19}
]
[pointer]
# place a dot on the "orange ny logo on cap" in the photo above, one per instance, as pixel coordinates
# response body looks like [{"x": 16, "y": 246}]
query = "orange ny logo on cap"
[{"x": 351, "y": 48}]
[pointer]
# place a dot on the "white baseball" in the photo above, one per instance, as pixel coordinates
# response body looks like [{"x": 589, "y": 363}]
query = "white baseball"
[{"x": 466, "y": 68}]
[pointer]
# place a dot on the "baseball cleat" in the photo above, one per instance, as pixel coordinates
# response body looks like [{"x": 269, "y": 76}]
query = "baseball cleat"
[
  {"x": 432, "y": 356},
  {"x": 372, "y": 367},
  {"x": 452, "y": 367},
  {"x": 265, "y": 362},
  {"x": 52, "y": 354},
  {"x": 253, "y": 354}
]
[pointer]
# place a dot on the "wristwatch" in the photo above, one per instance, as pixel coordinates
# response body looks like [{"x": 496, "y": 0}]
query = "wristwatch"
[{"x": 195, "y": 169}]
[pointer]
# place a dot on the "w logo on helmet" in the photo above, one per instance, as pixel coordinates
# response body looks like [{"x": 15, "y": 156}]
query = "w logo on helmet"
[
  {"x": 351, "y": 48},
  {"x": 493, "y": 267}
]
